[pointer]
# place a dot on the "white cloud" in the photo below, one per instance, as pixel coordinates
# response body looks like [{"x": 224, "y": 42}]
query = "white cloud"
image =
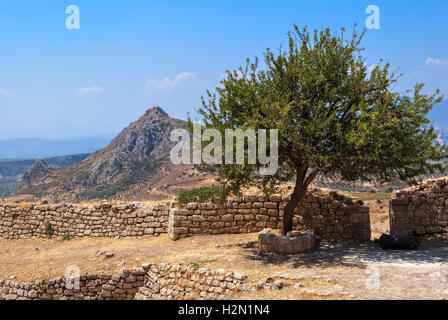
[
  {"x": 4, "y": 92},
  {"x": 166, "y": 83},
  {"x": 433, "y": 73},
  {"x": 89, "y": 90},
  {"x": 436, "y": 63}
]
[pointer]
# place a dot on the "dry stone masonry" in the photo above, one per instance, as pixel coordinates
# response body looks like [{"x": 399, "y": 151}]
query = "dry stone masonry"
[
  {"x": 423, "y": 210},
  {"x": 102, "y": 220},
  {"x": 174, "y": 282},
  {"x": 330, "y": 215},
  {"x": 294, "y": 242},
  {"x": 149, "y": 282}
]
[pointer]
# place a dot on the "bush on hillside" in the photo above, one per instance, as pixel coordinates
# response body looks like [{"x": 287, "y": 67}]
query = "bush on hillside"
[{"x": 204, "y": 194}]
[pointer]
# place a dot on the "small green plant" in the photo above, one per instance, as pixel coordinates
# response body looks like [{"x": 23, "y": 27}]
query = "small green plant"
[
  {"x": 195, "y": 265},
  {"x": 199, "y": 264},
  {"x": 48, "y": 228},
  {"x": 66, "y": 237}
]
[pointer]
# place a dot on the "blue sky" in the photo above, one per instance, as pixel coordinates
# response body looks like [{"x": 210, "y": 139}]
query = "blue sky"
[{"x": 130, "y": 55}]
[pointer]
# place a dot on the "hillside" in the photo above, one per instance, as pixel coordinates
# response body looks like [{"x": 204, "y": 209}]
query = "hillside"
[
  {"x": 11, "y": 171},
  {"x": 134, "y": 166}
]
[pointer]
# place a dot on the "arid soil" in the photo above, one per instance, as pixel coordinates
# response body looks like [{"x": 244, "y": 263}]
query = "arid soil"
[
  {"x": 333, "y": 271},
  {"x": 379, "y": 217}
]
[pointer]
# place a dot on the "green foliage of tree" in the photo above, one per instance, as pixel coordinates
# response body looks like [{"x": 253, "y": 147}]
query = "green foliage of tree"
[{"x": 334, "y": 116}]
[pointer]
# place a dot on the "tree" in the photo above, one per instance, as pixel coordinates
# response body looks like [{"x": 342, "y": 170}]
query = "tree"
[{"x": 335, "y": 116}]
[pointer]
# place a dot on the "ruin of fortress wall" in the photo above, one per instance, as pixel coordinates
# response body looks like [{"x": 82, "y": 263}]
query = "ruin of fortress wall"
[
  {"x": 149, "y": 282},
  {"x": 423, "y": 210},
  {"x": 102, "y": 220},
  {"x": 330, "y": 215}
]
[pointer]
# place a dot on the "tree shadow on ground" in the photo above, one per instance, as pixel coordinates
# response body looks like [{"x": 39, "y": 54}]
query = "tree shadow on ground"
[{"x": 356, "y": 254}]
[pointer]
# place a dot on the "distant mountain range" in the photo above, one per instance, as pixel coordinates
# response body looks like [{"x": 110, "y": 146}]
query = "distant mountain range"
[
  {"x": 439, "y": 116},
  {"x": 443, "y": 135},
  {"x": 36, "y": 148},
  {"x": 12, "y": 171}
]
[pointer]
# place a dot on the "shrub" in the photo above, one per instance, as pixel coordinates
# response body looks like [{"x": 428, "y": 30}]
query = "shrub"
[
  {"x": 66, "y": 237},
  {"x": 199, "y": 264},
  {"x": 48, "y": 229},
  {"x": 195, "y": 265},
  {"x": 204, "y": 194}
]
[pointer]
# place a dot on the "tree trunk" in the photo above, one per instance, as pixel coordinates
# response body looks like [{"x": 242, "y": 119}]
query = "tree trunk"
[{"x": 288, "y": 212}]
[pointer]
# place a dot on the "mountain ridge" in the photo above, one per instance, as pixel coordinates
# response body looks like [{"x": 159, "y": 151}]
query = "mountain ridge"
[
  {"x": 137, "y": 158},
  {"x": 11, "y": 171}
]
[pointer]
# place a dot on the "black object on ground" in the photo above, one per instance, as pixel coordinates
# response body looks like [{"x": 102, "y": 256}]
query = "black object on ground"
[{"x": 401, "y": 242}]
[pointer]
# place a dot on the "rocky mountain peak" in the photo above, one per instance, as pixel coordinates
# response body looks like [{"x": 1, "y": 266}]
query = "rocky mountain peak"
[
  {"x": 37, "y": 174},
  {"x": 148, "y": 137},
  {"x": 132, "y": 157},
  {"x": 155, "y": 112}
]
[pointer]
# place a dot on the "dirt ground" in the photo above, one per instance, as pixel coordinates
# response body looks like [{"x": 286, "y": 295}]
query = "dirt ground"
[
  {"x": 379, "y": 217},
  {"x": 333, "y": 271}
]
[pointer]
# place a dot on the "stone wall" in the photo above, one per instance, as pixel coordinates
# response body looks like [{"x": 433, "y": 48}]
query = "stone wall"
[
  {"x": 151, "y": 281},
  {"x": 330, "y": 215},
  {"x": 423, "y": 210},
  {"x": 102, "y": 220},
  {"x": 180, "y": 282}
]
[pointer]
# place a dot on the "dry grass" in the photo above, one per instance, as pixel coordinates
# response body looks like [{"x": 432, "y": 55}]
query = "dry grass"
[
  {"x": 367, "y": 196},
  {"x": 27, "y": 204},
  {"x": 24, "y": 205},
  {"x": 31, "y": 259}
]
